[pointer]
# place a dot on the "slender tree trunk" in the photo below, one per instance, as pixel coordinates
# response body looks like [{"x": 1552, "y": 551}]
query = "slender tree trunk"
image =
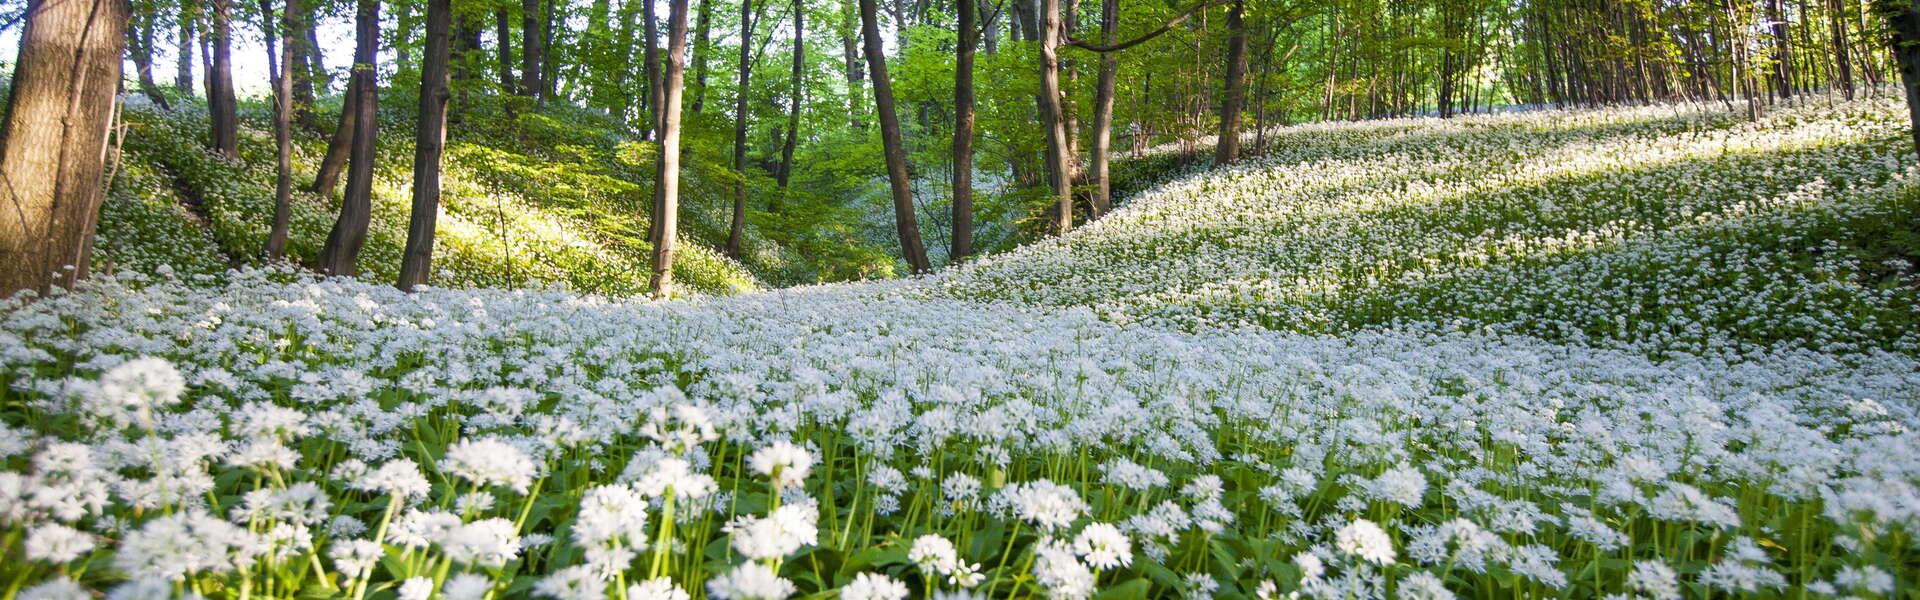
[
  {"x": 341, "y": 255},
  {"x": 532, "y": 48},
  {"x": 503, "y": 43},
  {"x": 54, "y": 142},
  {"x": 340, "y": 144},
  {"x": 1782, "y": 50},
  {"x": 549, "y": 41},
  {"x": 1842, "y": 59},
  {"x": 796, "y": 94},
  {"x": 1903, "y": 25},
  {"x": 666, "y": 204},
  {"x": 736, "y": 228},
  {"x": 1233, "y": 100},
  {"x": 900, "y": 181},
  {"x": 624, "y": 102},
  {"x": 183, "y": 60},
  {"x": 430, "y": 139},
  {"x": 1060, "y": 169},
  {"x": 1103, "y": 111},
  {"x": 702, "y": 47},
  {"x": 282, "y": 67},
  {"x": 221, "y": 105},
  {"x": 651, "y": 58},
  {"x": 962, "y": 243},
  {"x": 140, "y": 48},
  {"x": 298, "y": 24},
  {"x": 850, "y": 49}
]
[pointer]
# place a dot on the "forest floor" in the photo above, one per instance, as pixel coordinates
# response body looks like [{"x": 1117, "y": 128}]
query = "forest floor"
[{"x": 1650, "y": 352}]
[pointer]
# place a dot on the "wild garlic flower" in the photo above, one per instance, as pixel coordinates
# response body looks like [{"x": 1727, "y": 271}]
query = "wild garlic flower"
[{"x": 490, "y": 462}]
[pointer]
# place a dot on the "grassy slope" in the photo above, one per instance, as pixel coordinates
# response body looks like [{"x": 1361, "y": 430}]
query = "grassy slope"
[
  {"x": 1660, "y": 228},
  {"x": 551, "y": 198}
]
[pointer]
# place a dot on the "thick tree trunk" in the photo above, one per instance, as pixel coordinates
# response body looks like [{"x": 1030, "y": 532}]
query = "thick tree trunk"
[
  {"x": 223, "y": 111},
  {"x": 900, "y": 181},
  {"x": 430, "y": 139},
  {"x": 1103, "y": 92},
  {"x": 1233, "y": 100},
  {"x": 666, "y": 203},
  {"x": 53, "y": 147},
  {"x": 1059, "y": 156},
  {"x": 736, "y": 228},
  {"x": 340, "y": 144},
  {"x": 503, "y": 45},
  {"x": 962, "y": 244},
  {"x": 532, "y": 48},
  {"x": 1903, "y": 25},
  {"x": 281, "y": 69},
  {"x": 797, "y": 92},
  {"x": 341, "y": 255}
]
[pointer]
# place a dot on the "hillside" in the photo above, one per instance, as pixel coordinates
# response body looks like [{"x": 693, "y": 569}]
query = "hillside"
[{"x": 1657, "y": 351}]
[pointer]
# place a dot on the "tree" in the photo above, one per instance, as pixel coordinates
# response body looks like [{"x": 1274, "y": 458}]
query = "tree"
[
  {"x": 183, "y": 57},
  {"x": 140, "y": 49},
  {"x": 666, "y": 190},
  {"x": 1103, "y": 93},
  {"x": 736, "y": 227},
  {"x": 1233, "y": 101},
  {"x": 340, "y": 144},
  {"x": 281, "y": 68},
  {"x": 532, "y": 48},
  {"x": 900, "y": 182},
  {"x": 1903, "y": 25},
  {"x": 963, "y": 121},
  {"x": 702, "y": 46},
  {"x": 797, "y": 92},
  {"x": 430, "y": 139},
  {"x": 503, "y": 47},
  {"x": 222, "y": 107},
  {"x": 1059, "y": 154},
  {"x": 59, "y": 113},
  {"x": 341, "y": 254}
]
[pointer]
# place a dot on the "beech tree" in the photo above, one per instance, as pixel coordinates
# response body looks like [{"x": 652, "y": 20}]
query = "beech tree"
[
  {"x": 666, "y": 194},
  {"x": 898, "y": 179},
  {"x": 341, "y": 254},
  {"x": 281, "y": 69},
  {"x": 430, "y": 139},
  {"x": 222, "y": 107},
  {"x": 58, "y": 115}
]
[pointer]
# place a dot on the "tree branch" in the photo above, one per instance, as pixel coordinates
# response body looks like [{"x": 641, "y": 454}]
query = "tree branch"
[{"x": 1104, "y": 49}]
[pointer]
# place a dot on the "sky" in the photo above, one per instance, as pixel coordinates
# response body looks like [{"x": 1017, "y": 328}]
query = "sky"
[{"x": 250, "y": 73}]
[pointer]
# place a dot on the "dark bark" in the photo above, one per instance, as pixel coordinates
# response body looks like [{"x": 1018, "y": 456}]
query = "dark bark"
[
  {"x": 651, "y": 58},
  {"x": 1101, "y": 179},
  {"x": 962, "y": 244},
  {"x": 183, "y": 59},
  {"x": 736, "y": 227},
  {"x": 297, "y": 21},
  {"x": 140, "y": 49},
  {"x": 666, "y": 204},
  {"x": 1782, "y": 50},
  {"x": 796, "y": 93},
  {"x": 1233, "y": 101},
  {"x": 281, "y": 68},
  {"x": 341, "y": 255},
  {"x": 503, "y": 45},
  {"x": 60, "y": 111},
  {"x": 900, "y": 181},
  {"x": 430, "y": 139},
  {"x": 1903, "y": 27},
  {"x": 222, "y": 108},
  {"x": 532, "y": 48},
  {"x": 327, "y": 177},
  {"x": 856, "y": 68},
  {"x": 1842, "y": 59}
]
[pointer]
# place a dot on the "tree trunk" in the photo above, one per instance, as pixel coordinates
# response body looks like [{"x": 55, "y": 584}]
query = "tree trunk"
[
  {"x": 1782, "y": 50},
  {"x": 850, "y": 50},
  {"x": 281, "y": 68},
  {"x": 223, "y": 111},
  {"x": 702, "y": 46},
  {"x": 1059, "y": 156},
  {"x": 183, "y": 59},
  {"x": 532, "y": 48},
  {"x": 502, "y": 35},
  {"x": 737, "y": 226},
  {"x": 298, "y": 24},
  {"x": 1903, "y": 25},
  {"x": 53, "y": 147},
  {"x": 341, "y": 255},
  {"x": 666, "y": 203},
  {"x": 1102, "y": 180},
  {"x": 623, "y": 106},
  {"x": 430, "y": 139},
  {"x": 900, "y": 182},
  {"x": 140, "y": 48},
  {"x": 962, "y": 244},
  {"x": 795, "y": 95},
  {"x": 651, "y": 58},
  {"x": 1843, "y": 62},
  {"x": 549, "y": 40},
  {"x": 339, "y": 145},
  {"x": 1233, "y": 100}
]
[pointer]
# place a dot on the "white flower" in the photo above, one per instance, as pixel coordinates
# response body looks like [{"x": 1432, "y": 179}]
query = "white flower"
[
  {"x": 1364, "y": 540},
  {"x": 398, "y": 478},
  {"x": 780, "y": 533},
  {"x": 873, "y": 586},
  {"x": 1199, "y": 586},
  {"x": 1103, "y": 547},
  {"x": 415, "y": 588},
  {"x": 1060, "y": 573},
  {"x": 353, "y": 558},
  {"x": 60, "y": 587},
  {"x": 659, "y": 588},
  {"x": 933, "y": 553},
  {"x": 1423, "y": 585},
  {"x": 486, "y": 543},
  {"x": 1402, "y": 485},
  {"x": 489, "y": 462},
  {"x": 143, "y": 384},
  {"x": 1047, "y": 505},
  {"x": 750, "y": 581},
  {"x": 783, "y": 463},
  {"x": 611, "y": 513},
  {"x": 1310, "y": 565},
  {"x": 56, "y": 543},
  {"x": 466, "y": 586},
  {"x": 677, "y": 475},
  {"x": 578, "y": 582},
  {"x": 1655, "y": 579}
]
